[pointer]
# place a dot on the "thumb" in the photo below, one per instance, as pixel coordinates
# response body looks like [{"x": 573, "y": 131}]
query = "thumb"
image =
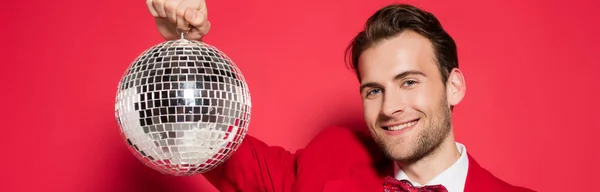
[{"x": 195, "y": 18}]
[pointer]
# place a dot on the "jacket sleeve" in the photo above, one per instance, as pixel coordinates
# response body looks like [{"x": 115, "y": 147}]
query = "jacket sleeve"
[{"x": 255, "y": 166}]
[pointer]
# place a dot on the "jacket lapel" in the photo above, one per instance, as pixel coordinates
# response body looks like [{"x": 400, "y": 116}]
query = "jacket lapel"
[
  {"x": 479, "y": 179},
  {"x": 371, "y": 177}
]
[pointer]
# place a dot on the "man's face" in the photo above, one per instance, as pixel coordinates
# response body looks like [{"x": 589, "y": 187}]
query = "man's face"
[{"x": 405, "y": 102}]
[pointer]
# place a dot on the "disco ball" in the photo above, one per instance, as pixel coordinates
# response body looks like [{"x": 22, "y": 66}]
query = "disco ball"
[{"x": 183, "y": 107}]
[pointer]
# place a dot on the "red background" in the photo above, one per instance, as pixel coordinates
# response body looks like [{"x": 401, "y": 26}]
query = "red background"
[{"x": 528, "y": 116}]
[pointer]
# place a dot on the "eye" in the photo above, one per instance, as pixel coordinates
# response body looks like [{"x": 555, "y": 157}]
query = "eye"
[
  {"x": 373, "y": 91},
  {"x": 409, "y": 83}
]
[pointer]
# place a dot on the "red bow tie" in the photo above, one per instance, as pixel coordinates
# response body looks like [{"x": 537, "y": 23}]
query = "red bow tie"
[{"x": 392, "y": 185}]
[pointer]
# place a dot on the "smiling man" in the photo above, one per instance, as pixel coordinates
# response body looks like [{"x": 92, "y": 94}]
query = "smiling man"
[
  {"x": 407, "y": 66},
  {"x": 408, "y": 69},
  {"x": 407, "y": 103}
]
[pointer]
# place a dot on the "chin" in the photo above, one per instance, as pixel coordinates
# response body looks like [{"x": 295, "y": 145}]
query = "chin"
[
  {"x": 397, "y": 150},
  {"x": 393, "y": 146}
]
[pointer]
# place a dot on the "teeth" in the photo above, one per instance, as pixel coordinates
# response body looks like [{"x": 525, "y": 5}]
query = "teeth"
[{"x": 402, "y": 126}]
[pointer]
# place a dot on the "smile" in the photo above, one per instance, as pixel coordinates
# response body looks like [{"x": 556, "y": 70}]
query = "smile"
[{"x": 401, "y": 126}]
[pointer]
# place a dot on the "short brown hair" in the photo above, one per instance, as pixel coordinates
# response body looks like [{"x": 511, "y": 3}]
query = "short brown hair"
[{"x": 394, "y": 19}]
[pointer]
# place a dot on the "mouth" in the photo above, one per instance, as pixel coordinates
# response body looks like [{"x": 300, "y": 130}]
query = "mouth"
[{"x": 399, "y": 128}]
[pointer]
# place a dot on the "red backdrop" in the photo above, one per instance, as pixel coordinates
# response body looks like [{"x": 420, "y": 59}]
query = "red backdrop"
[{"x": 528, "y": 116}]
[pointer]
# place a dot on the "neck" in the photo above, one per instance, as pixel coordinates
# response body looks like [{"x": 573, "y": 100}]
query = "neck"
[{"x": 428, "y": 167}]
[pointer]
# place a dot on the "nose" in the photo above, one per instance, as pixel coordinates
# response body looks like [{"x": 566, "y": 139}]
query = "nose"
[{"x": 393, "y": 103}]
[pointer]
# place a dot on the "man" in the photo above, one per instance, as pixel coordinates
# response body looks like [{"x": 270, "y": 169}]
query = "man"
[{"x": 408, "y": 69}]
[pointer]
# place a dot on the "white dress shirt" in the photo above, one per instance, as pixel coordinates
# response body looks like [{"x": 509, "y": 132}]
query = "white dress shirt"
[{"x": 453, "y": 178}]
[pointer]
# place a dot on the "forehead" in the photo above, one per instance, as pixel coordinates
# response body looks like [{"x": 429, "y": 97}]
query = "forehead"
[{"x": 389, "y": 57}]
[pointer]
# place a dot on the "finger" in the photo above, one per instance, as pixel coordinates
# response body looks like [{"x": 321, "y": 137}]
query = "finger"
[
  {"x": 182, "y": 7},
  {"x": 202, "y": 8},
  {"x": 196, "y": 18},
  {"x": 194, "y": 35},
  {"x": 159, "y": 6},
  {"x": 166, "y": 28},
  {"x": 203, "y": 30},
  {"x": 182, "y": 24},
  {"x": 171, "y": 9},
  {"x": 198, "y": 33},
  {"x": 150, "y": 5},
  {"x": 199, "y": 6}
]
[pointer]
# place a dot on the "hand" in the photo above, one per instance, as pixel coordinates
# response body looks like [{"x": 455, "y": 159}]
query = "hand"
[{"x": 175, "y": 16}]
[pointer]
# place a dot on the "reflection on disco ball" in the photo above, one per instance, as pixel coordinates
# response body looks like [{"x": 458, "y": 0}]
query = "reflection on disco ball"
[{"x": 183, "y": 107}]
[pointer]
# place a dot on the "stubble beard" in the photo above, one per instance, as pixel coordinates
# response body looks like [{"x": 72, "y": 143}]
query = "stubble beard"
[{"x": 428, "y": 141}]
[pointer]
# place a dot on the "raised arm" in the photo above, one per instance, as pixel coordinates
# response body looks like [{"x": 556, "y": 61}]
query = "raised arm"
[{"x": 255, "y": 166}]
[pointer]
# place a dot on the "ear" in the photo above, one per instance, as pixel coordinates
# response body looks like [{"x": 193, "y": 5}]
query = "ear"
[{"x": 455, "y": 87}]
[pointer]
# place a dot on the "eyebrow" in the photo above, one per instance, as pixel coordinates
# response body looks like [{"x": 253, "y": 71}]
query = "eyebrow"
[{"x": 399, "y": 76}]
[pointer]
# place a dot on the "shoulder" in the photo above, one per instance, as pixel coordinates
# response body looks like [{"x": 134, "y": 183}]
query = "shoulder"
[
  {"x": 479, "y": 179},
  {"x": 332, "y": 155},
  {"x": 338, "y": 142}
]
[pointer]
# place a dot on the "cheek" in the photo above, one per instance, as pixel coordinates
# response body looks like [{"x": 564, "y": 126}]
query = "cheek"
[
  {"x": 371, "y": 110},
  {"x": 422, "y": 98}
]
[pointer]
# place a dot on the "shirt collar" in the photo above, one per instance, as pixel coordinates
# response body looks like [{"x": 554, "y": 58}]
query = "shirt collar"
[{"x": 453, "y": 178}]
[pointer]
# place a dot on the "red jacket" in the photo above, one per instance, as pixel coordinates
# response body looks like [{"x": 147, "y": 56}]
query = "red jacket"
[{"x": 336, "y": 160}]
